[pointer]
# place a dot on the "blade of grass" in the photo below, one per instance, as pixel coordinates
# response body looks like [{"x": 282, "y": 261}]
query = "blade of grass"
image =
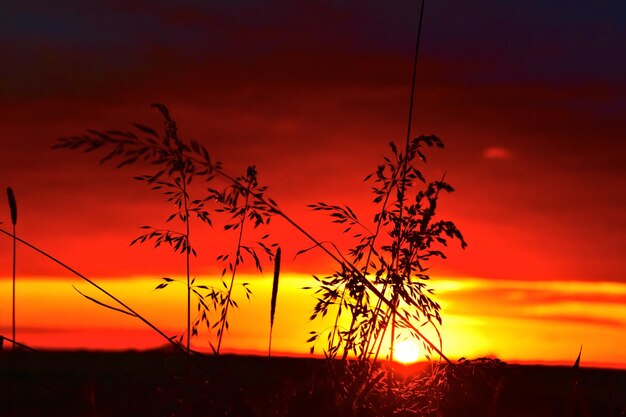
[
  {"x": 574, "y": 399},
  {"x": 12, "y": 205},
  {"x": 274, "y": 296},
  {"x": 98, "y": 287},
  {"x": 13, "y": 208},
  {"x": 103, "y": 304},
  {"x": 577, "y": 363},
  {"x": 15, "y": 342}
]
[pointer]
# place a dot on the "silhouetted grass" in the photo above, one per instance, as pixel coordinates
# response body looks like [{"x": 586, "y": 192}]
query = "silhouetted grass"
[
  {"x": 177, "y": 163},
  {"x": 274, "y": 296},
  {"x": 13, "y": 210},
  {"x": 122, "y": 306}
]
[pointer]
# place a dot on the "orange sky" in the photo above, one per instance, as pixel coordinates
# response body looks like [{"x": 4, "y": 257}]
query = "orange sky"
[
  {"x": 519, "y": 321},
  {"x": 532, "y": 120}
]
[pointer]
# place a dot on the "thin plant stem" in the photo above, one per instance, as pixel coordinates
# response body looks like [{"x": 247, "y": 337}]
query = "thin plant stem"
[
  {"x": 393, "y": 333},
  {"x": 14, "y": 274},
  {"x": 13, "y": 210},
  {"x": 234, "y": 271},
  {"x": 381, "y": 339},
  {"x": 21, "y": 345},
  {"x": 125, "y": 306},
  {"x": 392, "y": 344},
  {"x": 335, "y": 324},
  {"x": 187, "y": 253},
  {"x": 367, "y": 265},
  {"x": 402, "y": 181}
]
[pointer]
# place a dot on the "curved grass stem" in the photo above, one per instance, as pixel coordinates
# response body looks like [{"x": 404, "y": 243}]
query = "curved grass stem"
[{"x": 97, "y": 287}]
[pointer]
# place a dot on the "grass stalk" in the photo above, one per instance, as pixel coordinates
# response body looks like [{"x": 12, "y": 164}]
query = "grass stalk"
[
  {"x": 13, "y": 209},
  {"x": 109, "y": 295},
  {"x": 187, "y": 260},
  {"x": 15, "y": 342},
  {"x": 274, "y": 297},
  {"x": 224, "y": 317},
  {"x": 402, "y": 191}
]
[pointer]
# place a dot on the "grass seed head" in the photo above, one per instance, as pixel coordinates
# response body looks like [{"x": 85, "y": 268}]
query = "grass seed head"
[{"x": 12, "y": 205}]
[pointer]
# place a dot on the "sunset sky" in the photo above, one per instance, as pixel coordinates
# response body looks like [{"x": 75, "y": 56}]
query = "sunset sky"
[{"x": 528, "y": 97}]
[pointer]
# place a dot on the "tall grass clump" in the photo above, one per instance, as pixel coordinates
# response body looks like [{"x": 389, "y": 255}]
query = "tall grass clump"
[
  {"x": 400, "y": 243},
  {"x": 176, "y": 164},
  {"x": 391, "y": 253},
  {"x": 381, "y": 288},
  {"x": 379, "y": 285},
  {"x": 243, "y": 210},
  {"x": 179, "y": 159}
]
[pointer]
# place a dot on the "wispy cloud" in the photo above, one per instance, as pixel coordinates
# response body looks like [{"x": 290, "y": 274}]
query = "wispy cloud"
[
  {"x": 599, "y": 303},
  {"x": 534, "y": 320},
  {"x": 497, "y": 152}
]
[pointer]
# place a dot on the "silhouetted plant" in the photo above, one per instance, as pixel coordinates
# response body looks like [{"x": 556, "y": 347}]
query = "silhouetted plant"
[
  {"x": 177, "y": 164},
  {"x": 13, "y": 210},
  {"x": 173, "y": 176},
  {"x": 379, "y": 284},
  {"x": 393, "y": 258},
  {"x": 274, "y": 296},
  {"x": 123, "y": 307},
  {"x": 354, "y": 281},
  {"x": 251, "y": 211}
]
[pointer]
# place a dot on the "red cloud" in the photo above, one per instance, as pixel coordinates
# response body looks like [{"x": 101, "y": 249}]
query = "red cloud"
[{"x": 496, "y": 152}]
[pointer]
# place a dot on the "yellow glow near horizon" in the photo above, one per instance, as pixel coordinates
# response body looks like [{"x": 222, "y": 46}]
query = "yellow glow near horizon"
[{"x": 514, "y": 320}]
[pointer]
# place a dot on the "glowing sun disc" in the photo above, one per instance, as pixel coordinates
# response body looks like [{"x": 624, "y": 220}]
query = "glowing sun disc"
[{"x": 406, "y": 351}]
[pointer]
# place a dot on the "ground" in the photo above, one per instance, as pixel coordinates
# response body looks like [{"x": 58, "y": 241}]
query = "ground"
[{"x": 159, "y": 383}]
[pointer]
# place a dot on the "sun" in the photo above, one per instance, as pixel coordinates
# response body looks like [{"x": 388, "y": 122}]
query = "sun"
[{"x": 406, "y": 351}]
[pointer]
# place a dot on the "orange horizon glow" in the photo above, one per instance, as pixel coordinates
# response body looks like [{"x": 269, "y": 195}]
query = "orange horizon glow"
[{"x": 524, "y": 322}]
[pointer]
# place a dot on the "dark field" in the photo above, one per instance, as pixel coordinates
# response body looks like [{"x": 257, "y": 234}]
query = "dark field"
[{"x": 167, "y": 384}]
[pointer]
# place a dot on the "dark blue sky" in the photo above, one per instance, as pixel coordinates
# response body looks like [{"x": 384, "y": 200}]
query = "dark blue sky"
[{"x": 492, "y": 41}]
